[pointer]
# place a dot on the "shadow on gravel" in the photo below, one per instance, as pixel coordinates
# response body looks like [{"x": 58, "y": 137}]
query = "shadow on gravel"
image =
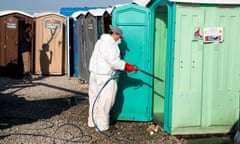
[
  {"x": 16, "y": 110},
  {"x": 63, "y": 89}
]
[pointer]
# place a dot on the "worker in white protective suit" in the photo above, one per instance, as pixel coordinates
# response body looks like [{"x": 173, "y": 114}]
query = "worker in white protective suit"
[{"x": 104, "y": 62}]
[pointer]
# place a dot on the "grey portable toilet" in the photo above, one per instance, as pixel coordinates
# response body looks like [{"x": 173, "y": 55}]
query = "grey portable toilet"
[{"x": 93, "y": 30}]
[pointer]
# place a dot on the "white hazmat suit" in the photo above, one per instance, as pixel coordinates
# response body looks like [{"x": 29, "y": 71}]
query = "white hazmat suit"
[{"x": 104, "y": 62}]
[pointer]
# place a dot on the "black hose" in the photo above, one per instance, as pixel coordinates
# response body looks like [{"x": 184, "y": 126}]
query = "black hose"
[
  {"x": 78, "y": 139},
  {"x": 116, "y": 75}
]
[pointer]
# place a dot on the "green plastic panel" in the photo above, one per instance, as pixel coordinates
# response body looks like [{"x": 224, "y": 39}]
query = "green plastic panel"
[
  {"x": 134, "y": 97},
  {"x": 206, "y": 79},
  {"x": 187, "y": 84}
]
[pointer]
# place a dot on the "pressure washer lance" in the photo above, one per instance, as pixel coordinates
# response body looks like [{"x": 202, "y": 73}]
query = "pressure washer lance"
[{"x": 148, "y": 74}]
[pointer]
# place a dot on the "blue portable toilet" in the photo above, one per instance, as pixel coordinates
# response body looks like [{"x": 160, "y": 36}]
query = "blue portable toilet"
[
  {"x": 78, "y": 41},
  {"x": 134, "y": 97}
]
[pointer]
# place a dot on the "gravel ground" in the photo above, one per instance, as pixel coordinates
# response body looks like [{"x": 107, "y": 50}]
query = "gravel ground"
[{"x": 54, "y": 110}]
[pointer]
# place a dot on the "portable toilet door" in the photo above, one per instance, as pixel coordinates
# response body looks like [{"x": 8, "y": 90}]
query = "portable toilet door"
[
  {"x": 76, "y": 39},
  {"x": 134, "y": 96},
  {"x": 160, "y": 49},
  {"x": 162, "y": 29},
  {"x": 12, "y": 25},
  {"x": 91, "y": 36},
  {"x": 80, "y": 46},
  {"x": 81, "y": 49},
  {"x": 50, "y": 44}
]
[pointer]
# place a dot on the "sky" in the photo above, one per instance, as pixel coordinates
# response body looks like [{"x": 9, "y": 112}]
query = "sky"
[{"x": 32, "y": 6}]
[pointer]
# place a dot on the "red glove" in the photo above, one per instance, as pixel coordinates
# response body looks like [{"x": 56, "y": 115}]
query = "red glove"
[{"x": 130, "y": 68}]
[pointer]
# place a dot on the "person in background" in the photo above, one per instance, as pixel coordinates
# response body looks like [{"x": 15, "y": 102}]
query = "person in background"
[
  {"x": 26, "y": 50},
  {"x": 104, "y": 62}
]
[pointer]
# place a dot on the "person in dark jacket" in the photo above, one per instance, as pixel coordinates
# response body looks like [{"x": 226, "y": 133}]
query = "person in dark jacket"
[{"x": 26, "y": 50}]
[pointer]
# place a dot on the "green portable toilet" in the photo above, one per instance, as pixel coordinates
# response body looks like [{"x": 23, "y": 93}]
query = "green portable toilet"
[
  {"x": 134, "y": 97},
  {"x": 196, "y": 50}
]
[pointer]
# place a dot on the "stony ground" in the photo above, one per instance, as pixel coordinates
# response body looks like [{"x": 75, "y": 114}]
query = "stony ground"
[{"x": 54, "y": 110}]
